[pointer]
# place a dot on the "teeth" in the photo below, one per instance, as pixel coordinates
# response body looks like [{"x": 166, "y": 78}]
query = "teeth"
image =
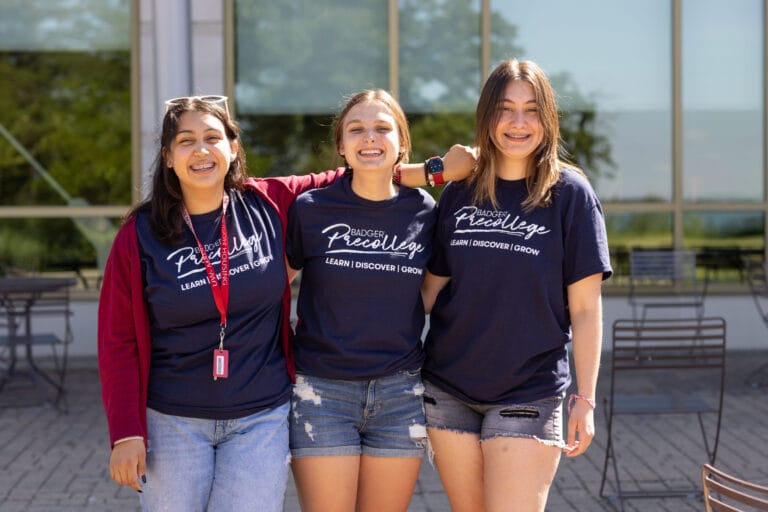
[
  {"x": 370, "y": 152},
  {"x": 201, "y": 167}
]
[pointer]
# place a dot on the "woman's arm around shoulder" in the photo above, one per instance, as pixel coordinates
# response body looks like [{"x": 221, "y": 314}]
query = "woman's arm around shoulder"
[{"x": 458, "y": 163}]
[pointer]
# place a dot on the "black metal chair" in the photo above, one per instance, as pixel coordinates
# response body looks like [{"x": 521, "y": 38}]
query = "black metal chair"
[
  {"x": 726, "y": 493},
  {"x": 33, "y": 321},
  {"x": 692, "y": 348},
  {"x": 758, "y": 285},
  {"x": 664, "y": 279}
]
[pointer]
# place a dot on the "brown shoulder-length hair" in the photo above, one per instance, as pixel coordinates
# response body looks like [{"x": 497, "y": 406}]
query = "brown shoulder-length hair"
[
  {"x": 165, "y": 200},
  {"x": 546, "y": 161},
  {"x": 386, "y": 99}
]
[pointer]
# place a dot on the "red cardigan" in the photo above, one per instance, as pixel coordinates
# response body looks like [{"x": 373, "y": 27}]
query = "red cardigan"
[{"x": 124, "y": 344}]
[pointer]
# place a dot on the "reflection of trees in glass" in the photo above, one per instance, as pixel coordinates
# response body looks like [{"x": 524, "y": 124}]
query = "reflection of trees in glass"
[
  {"x": 304, "y": 56},
  {"x": 64, "y": 25},
  {"x": 294, "y": 65},
  {"x": 440, "y": 44},
  {"x": 296, "y": 61},
  {"x": 43, "y": 244},
  {"x": 71, "y": 111},
  {"x": 581, "y": 127},
  {"x": 723, "y": 229},
  {"x": 626, "y": 230}
]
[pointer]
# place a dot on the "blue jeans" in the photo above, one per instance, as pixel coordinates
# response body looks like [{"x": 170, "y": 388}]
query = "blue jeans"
[
  {"x": 196, "y": 464},
  {"x": 379, "y": 417}
]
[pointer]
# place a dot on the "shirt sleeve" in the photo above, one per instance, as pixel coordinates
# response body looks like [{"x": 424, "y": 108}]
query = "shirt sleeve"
[{"x": 585, "y": 238}]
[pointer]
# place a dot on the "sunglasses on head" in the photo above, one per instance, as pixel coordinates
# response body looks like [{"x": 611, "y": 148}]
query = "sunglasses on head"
[{"x": 215, "y": 99}]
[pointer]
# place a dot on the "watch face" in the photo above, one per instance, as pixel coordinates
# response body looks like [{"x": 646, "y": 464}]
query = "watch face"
[{"x": 434, "y": 165}]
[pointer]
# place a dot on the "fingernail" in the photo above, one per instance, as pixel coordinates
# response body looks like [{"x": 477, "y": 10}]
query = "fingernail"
[{"x": 143, "y": 479}]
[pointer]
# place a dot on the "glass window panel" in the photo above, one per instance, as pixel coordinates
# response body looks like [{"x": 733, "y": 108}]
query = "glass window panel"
[
  {"x": 723, "y": 240},
  {"x": 303, "y": 56},
  {"x": 439, "y": 55},
  {"x": 38, "y": 245},
  {"x": 295, "y": 63},
  {"x": 723, "y": 229},
  {"x": 723, "y": 77},
  {"x": 617, "y": 120},
  {"x": 65, "y": 133},
  {"x": 630, "y": 230},
  {"x": 440, "y": 75}
]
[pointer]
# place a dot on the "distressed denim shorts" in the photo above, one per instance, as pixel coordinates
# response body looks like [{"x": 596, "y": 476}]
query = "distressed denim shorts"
[
  {"x": 379, "y": 417},
  {"x": 541, "y": 419}
]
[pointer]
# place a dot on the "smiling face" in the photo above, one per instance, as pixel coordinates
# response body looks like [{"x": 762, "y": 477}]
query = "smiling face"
[
  {"x": 518, "y": 132},
  {"x": 370, "y": 139},
  {"x": 200, "y": 155}
]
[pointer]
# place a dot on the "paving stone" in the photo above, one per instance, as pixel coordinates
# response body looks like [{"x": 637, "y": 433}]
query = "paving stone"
[{"x": 56, "y": 462}]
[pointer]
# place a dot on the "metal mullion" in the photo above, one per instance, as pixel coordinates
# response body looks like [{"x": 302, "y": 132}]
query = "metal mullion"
[
  {"x": 677, "y": 126},
  {"x": 393, "y": 31},
  {"x": 55, "y": 212},
  {"x": 765, "y": 130},
  {"x": 485, "y": 40},
  {"x": 135, "y": 95},
  {"x": 229, "y": 53}
]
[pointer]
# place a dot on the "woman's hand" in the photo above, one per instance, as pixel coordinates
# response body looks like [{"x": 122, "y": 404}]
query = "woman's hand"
[
  {"x": 581, "y": 429},
  {"x": 459, "y": 162},
  {"x": 128, "y": 463}
]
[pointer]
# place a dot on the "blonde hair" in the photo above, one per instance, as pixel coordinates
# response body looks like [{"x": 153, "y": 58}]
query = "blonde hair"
[{"x": 545, "y": 163}]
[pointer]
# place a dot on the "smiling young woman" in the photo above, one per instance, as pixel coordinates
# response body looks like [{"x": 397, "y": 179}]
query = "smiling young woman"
[{"x": 521, "y": 248}]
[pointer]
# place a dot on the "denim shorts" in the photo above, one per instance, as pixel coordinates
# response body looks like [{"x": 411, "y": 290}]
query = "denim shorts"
[
  {"x": 541, "y": 419},
  {"x": 379, "y": 417}
]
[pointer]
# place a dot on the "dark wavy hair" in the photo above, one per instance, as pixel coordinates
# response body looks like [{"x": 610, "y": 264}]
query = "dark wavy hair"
[{"x": 165, "y": 200}]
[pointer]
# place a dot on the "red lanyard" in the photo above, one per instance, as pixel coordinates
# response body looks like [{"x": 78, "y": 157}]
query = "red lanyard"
[{"x": 219, "y": 287}]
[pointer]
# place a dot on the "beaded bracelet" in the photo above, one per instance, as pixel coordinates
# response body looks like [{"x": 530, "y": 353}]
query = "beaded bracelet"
[{"x": 574, "y": 396}]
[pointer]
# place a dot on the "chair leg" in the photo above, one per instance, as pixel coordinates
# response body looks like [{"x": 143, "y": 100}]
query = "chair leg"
[
  {"x": 710, "y": 454},
  {"x": 610, "y": 454}
]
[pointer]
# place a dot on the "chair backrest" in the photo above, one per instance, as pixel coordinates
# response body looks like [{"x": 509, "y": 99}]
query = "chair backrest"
[
  {"x": 693, "y": 347},
  {"x": 726, "y": 493},
  {"x": 662, "y": 265},
  {"x": 661, "y": 344},
  {"x": 668, "y": 272}
]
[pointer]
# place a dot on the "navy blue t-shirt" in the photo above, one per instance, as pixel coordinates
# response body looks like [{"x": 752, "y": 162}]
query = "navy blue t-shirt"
[
  {"x": 185, "y": 322},
  {"x": 498, "y": 330},
  {"x": 360, "y": 309}
]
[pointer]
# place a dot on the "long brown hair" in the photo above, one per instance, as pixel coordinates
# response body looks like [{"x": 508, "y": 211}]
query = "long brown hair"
[
  {"x": 546, "y": 162},
  {"x": 165, "y": 200}
]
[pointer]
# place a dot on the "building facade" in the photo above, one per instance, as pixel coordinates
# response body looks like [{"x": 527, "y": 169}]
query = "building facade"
[{"x": 663, "y": 104}]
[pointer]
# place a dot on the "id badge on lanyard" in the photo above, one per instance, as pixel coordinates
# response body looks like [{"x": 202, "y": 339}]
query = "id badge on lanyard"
[{"x": 219, "y": 288}]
